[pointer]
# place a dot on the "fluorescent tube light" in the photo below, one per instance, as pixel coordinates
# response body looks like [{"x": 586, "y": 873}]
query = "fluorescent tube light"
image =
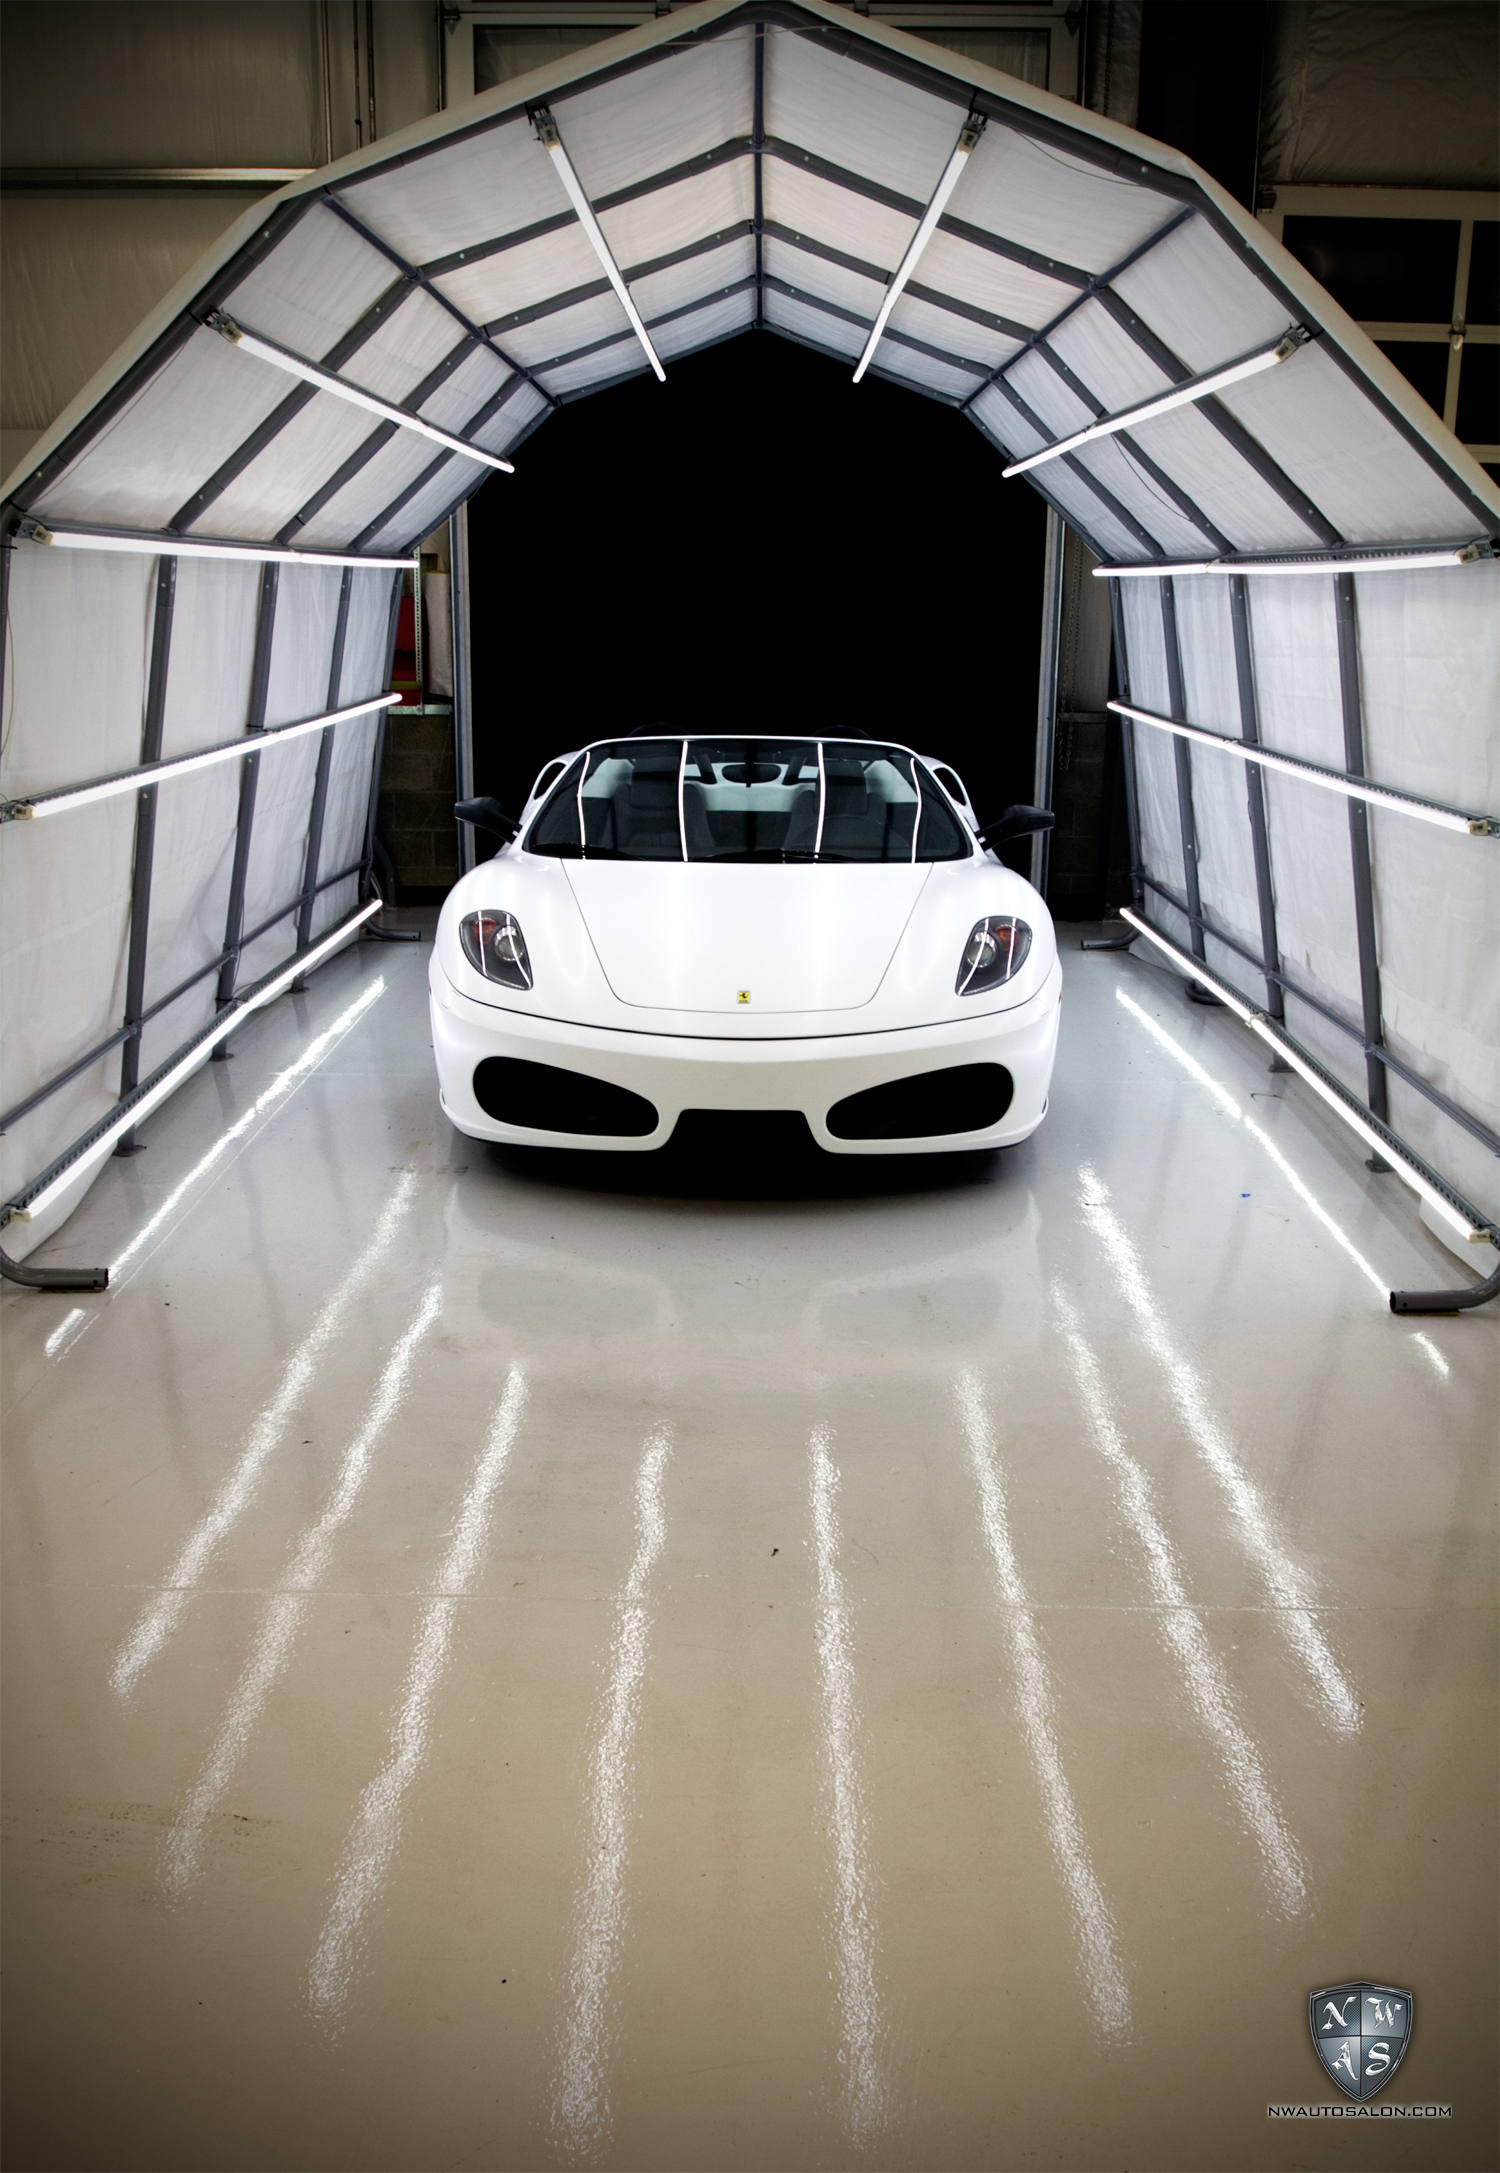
[
  {"x": 1285, "y": 1048},
  {"x": 163, "y": 546},
  {"x": 1312, "y": 773},
  {"x": 231, "y": 1020},
  {"x": 150, "y": 773},
  {"x": 1196, "y": 388},
  {"x": 968, "y": 136},
  {"x": 1461, "y": 554},
  {"x": 251, "y": 343},
  {"x": 552, "y": 143}
]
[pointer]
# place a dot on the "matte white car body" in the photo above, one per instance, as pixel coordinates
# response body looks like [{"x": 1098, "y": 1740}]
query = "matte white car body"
[{"x": 744, "y": 986}]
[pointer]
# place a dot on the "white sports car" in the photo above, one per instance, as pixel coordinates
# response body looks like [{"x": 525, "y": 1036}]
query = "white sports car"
[{"x": 706, "y": 922}]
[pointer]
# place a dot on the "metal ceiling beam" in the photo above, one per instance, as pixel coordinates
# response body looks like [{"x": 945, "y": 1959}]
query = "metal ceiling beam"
[
  {"x": 757, "y": 152},
  {"x": 145, "y": 838},
  {"x": 966, "y": 363}
]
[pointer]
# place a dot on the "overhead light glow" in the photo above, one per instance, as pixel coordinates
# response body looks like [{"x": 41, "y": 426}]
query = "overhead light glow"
[
  {"x": 1311, "y": 773},
  {"x": 969, "y": 135},
  {"x": 163, "y": 546},
  {"x": 1460, "y": 554},
  {"x": 1196, "y": 388},
  {"x": 150, "y": 773},
  {"x": 231, "y": 1020},
  {"x": 552, "y": 143},
  {"x": 1285, "y": 1048},
  {"x": 250, "y": 343}
]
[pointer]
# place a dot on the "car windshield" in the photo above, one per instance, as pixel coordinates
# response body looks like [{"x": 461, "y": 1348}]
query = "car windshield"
[{"x": 755, "y": 799}]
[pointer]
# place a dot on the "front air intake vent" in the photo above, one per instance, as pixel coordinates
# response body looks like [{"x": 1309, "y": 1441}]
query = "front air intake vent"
[
  {"x": 544, "y": 1098},
  {"x": 964, "y": 1098}
]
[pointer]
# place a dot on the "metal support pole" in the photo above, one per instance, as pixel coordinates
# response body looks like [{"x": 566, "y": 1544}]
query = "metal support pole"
[
  {"x": 145, "y": 838},
  {"x": 757, "y": 148},
  {"x": 1359, "y": 849},
  {"x": 463, "y": 713},
  {"x": 1127, "y": 747},
  {"x": 373, "y": 930},
  {"x": 1177, "y": 695},
  {"x": 320, "y": 779},
  {"x": 1046, "y": 694},
  {"x": 255, "y": 721},
  {"x": 1260, "y": 840}
]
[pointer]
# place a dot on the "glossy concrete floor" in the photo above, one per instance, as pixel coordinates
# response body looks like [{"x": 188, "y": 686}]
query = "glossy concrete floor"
[{"x": 706, "y": 1661}]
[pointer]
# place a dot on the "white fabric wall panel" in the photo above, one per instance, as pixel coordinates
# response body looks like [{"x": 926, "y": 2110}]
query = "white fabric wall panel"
[
  {"x": 344, "y": 817},
  {"x": 1297, "y": 670},
  {"x": 64, "y": 973},
  {"x": 194, "y": 850},
  {"x": 366, "y": 635},
  {"x": 80, "y": 631},
  {"x": 278, "y": 850},
  {"x": 213, "y": 644},
  {"x": 307, "y": 602}
]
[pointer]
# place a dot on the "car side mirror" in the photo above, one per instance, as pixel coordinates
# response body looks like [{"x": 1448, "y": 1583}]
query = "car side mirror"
[
  {"x": 488, "y": 815},
  {"x": 1016, "y": 822}
]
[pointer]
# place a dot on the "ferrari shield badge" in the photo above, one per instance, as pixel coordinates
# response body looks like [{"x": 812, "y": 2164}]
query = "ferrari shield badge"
[{"x": 1361, "y": 2031}]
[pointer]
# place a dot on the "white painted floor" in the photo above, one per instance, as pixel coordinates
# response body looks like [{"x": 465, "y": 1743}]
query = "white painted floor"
[{"x": 714, "y": 1662}]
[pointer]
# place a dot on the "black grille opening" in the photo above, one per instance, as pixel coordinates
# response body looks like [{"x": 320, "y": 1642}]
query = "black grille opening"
[
  {"x": 544, "y": 1098},
  {"x": 963, "y": 1098},
  {"x": 748, "y": 1138}
]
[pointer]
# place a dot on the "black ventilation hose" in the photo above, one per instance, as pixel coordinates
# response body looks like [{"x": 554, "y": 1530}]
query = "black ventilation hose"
[
  {"x": 1447, "y": 1301},
  {"x": 15, "y": 1271}
]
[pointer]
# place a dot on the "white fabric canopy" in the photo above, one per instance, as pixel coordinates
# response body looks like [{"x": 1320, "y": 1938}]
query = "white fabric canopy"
[{"x": 748, "y": 167}]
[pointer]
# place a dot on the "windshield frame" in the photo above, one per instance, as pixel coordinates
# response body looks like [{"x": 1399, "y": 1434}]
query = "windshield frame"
[{"x": 586, "y": 762}]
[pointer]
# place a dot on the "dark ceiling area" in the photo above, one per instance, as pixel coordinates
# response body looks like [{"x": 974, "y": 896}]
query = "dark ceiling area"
[{"x": 758, "y": 544}]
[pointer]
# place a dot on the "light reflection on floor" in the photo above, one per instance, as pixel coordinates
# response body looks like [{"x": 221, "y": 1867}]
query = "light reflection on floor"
[{"x": 673, "y": 1662}]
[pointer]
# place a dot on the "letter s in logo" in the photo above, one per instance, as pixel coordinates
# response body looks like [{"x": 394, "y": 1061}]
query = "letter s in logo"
[{"x": 1379, "y": 2059}]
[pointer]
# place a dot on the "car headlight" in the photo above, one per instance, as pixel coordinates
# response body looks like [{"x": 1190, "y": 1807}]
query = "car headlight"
[
  {"x": 494, "y": 946},
  {"x": 996, "y": 950}
]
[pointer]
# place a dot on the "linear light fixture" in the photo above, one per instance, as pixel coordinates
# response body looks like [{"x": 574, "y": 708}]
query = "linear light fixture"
[
  {"x": 150, "y": 773},
  {"x": 251, "y": 343},
  {"x": 968, "y": 136},
  {"x": 1196, "y": 388},
  {"x": 164, "y": 546},
  {"x": 552, "y": 144},
  {"x": 1459, "y": 554},
  {"x": 232, "y": 1019},
  {"x": 1379, "y": 1142},
  {"x": 1313, "y": 773}
]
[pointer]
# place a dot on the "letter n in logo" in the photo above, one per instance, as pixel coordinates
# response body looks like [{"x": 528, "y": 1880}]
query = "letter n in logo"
[{"x": 1360, "y": 2031}]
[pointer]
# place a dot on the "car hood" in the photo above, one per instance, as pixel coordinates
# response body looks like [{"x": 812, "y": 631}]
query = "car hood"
[{"x": 744, "y": 936}]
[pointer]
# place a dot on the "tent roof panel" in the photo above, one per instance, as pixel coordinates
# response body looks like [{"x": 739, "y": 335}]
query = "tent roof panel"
[
  {"x": 624, "y": 130},
  {"x": 999, "y": 284},
  {"x": 925, "y": 320},
  {"x": 1037, "y": 198},
  {"x": 312, "y": 288},
  {"x": 686, "y": 211},
  {"x": 298, "y": 461},
  {"x": 894, "y": 134},
  {"x": 460, "y": 195},
  {"x": 524, "y": 278},
  {"x": 405, "y": 348},
  {"x": 453, "y": 404}
]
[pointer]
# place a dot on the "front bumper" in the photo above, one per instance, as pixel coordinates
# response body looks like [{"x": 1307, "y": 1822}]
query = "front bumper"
[{"x": 675, "y": 1072}]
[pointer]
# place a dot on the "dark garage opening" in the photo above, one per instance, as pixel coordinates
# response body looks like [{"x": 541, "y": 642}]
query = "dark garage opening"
[{"x": 758, "y": 544}]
